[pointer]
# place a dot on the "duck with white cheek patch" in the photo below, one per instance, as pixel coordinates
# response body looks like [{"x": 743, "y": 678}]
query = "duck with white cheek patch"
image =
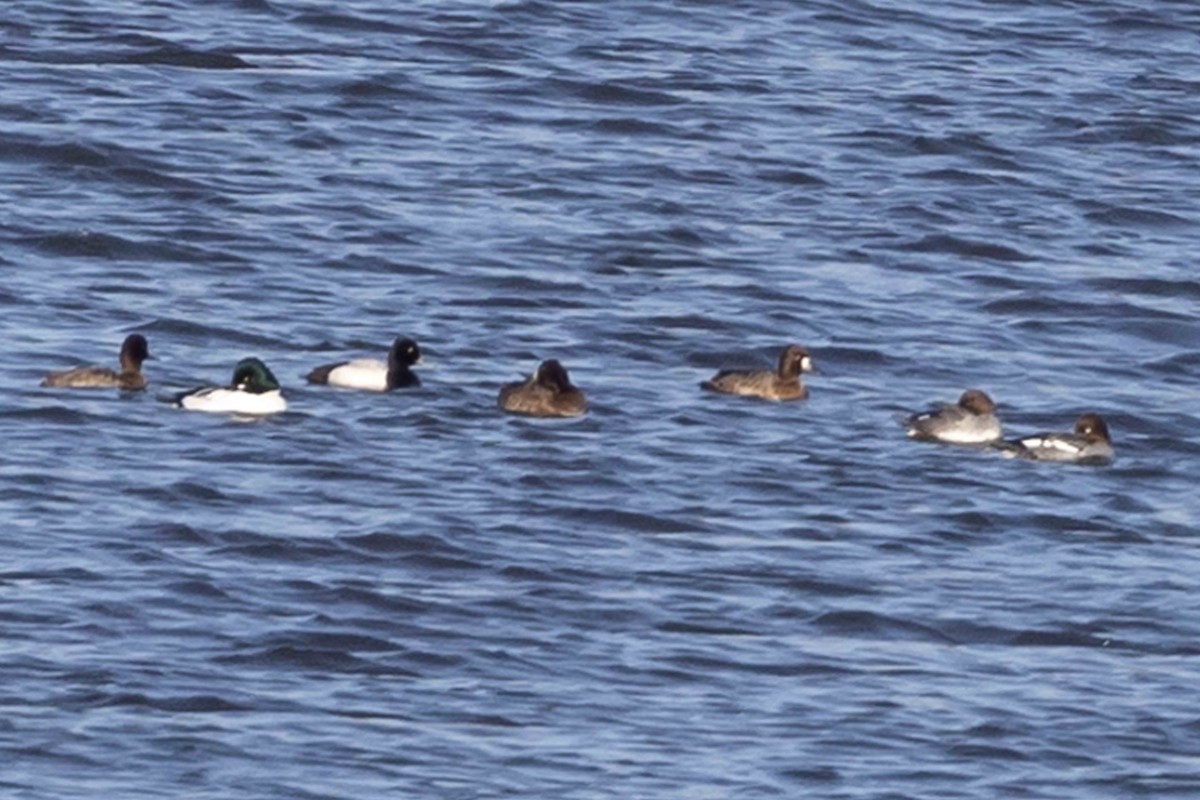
[
  {"x": 1089, "y": 444},
  {"x": 253, "y": 391},
  {"x": 782, "y": 383}
]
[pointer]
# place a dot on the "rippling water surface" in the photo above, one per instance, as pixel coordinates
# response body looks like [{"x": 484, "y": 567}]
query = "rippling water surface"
[{"x": 680, "y": 595}]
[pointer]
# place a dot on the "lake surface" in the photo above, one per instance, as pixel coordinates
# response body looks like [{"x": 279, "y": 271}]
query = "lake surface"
[{"x": 680, "y": 595}]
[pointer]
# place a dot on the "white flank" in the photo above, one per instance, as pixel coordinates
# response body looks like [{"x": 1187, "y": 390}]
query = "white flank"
[
  {"x": 1053, "y": 448},
  {"x": 1052, "y": 443},
  {"x": 364, "y": 373},
  {"x": 955, "y": 427},
  {"x": 233, "y": 401},
  {"x": 972, "y": 432}
]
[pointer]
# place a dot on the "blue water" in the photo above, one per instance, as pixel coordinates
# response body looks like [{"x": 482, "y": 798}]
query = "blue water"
[{"x": 679, "y": 595}]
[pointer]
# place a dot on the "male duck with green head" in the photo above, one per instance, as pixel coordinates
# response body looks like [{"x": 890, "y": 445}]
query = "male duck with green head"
[{"x": 252, "y": 391}]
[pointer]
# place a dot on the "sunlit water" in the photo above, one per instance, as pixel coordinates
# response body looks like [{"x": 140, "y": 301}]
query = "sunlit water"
[{"x": 680, "y": 595}]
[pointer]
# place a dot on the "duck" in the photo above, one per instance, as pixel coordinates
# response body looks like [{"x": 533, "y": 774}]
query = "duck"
[
  {"x": 970, "y": 421},
  {"x": 371, "y": 374},
  {"x": 252, "y": 391},
  {"x": 782, "y": 383},
  {"x": 134, "y": 350},
  {"x": 548, "y": 392},
  {"x": 1090, "y": 443}
]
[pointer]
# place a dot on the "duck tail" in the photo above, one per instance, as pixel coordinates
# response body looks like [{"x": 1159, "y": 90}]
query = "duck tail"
[{"x": 320, "y": 375}]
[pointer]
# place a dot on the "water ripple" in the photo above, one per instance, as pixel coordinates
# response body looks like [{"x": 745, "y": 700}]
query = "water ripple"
[{"x": 413, "y": 594}]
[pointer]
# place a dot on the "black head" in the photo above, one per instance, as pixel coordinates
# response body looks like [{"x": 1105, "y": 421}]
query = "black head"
[
  {"x": 252, "y": 375},
  {"x": 553, "y": 375},
  {"x": 793, "y": 360},
  {"x": 135, "y": 350},
  {"x": 1091, "y": 426},
  {"x": 404, "y": 353},
  {"x": 977, "y": 402}
]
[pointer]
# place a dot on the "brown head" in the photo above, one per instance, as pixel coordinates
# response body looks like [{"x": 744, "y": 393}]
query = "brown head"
[
  {"x": 793, "y": 360},
  {"x": 1092, "y": 427},
  {"x": 553, "y": 375},
  {"x": 976, "y": 402},
  {"x": 134, "y": 350}
]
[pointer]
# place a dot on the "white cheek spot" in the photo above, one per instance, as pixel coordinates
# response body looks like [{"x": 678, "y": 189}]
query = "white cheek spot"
[{"x": 806, "y": 364}]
